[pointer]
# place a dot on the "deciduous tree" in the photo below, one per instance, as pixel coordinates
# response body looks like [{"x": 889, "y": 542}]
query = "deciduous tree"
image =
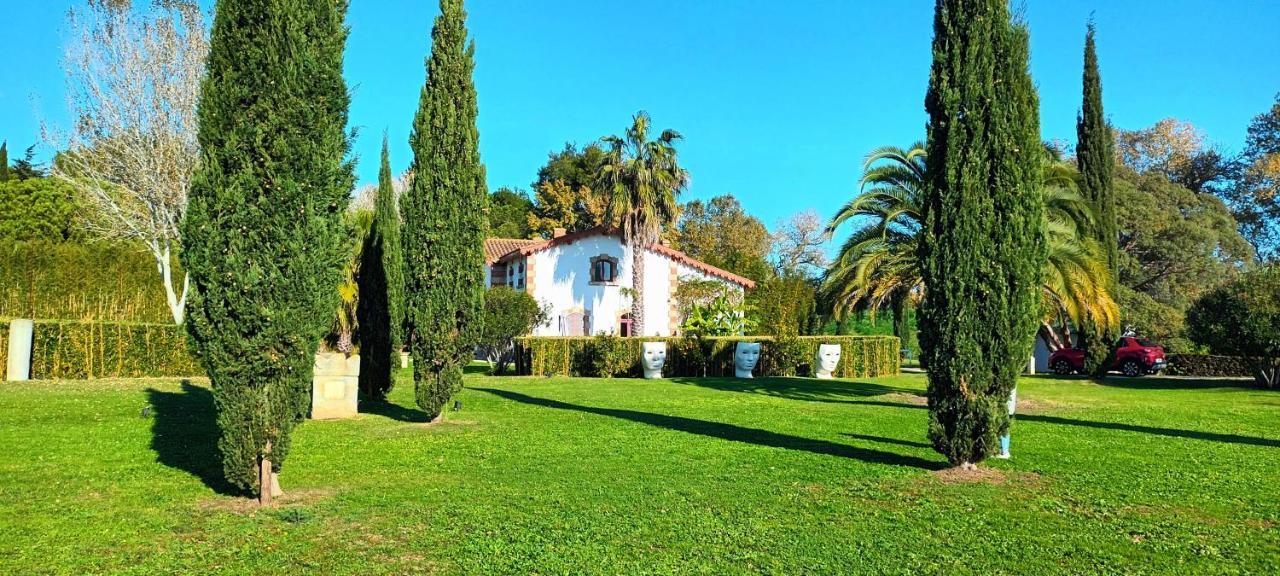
[{"x": 134, "y": 77}]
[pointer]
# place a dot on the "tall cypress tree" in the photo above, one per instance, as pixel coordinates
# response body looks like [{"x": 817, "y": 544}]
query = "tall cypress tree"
[
  {"x": 380, "y": 310},
  {"x": 1095, "y": 156},
  {"x": 4, "y": 161},
  {"x": 982, "y": 247},
  {"x": 445, "y": 217},
  {"x": 263, "y": 237}
]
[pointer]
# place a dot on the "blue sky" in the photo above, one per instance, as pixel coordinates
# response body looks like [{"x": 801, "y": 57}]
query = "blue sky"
[{"x": 778, "y": 101}]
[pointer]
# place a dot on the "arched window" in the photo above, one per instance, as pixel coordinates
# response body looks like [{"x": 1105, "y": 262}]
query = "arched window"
[{"x": 604, "y": 269}]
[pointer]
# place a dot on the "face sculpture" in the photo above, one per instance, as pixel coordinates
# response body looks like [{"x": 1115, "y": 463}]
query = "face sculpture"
[
  {"x": 654, "y": 356},
  {"x": 745, "y": 357},
  {"x": 827, "y": 362}
]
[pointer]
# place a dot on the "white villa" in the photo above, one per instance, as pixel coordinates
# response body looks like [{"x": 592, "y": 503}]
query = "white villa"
[{"x": 585, "y": 277}]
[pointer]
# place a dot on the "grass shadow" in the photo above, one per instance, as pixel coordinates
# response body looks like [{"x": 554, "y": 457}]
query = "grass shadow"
[
  {"x": 791, "y": 388},
  {"x": 1171, "y": 432},
  {"x": 883, "y": 440},
  {"x": 392, "y": 410},
  {"x": 184, "y": 434},
  {"x": 1166, "y": 383},
  {"x": 731, "y": 432}
]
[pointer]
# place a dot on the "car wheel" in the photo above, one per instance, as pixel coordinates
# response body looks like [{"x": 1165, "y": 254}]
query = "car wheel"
[
  {"x": 1062, "y": 368},
  {"x": 1131, "y": 368}
]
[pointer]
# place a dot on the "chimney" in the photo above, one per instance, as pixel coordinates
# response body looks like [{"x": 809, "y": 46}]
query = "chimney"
[{"x": 558, "y": 232}]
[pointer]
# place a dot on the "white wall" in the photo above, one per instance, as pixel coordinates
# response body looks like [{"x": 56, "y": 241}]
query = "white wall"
[{"x": 562, "y": 280}]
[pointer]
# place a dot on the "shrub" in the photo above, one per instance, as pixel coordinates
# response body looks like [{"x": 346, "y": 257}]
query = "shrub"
[
  {"x": 4, "y": 348},
  {"x": 862, "y": 356},
  {"x": 1209, "y": 366},
  {"x": 508, "y": 313},
  {"x": 76, "y": 350},
  {"x": 1242, "y": 318}
]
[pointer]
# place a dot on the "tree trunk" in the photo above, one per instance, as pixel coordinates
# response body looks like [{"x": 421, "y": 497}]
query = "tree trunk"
[
  {"x": 265, "y": 490},
  {"x": 177, "y": 303},
  {"x": 899, "y": 301},
  {"x": 1268, "y": 374},
  {"x": 637, "y": 287}
]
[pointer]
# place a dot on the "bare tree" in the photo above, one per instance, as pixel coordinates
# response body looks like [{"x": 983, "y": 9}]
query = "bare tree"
[
  {"x": 133, "y": 78},
  {"x": 797, "y": 245}
]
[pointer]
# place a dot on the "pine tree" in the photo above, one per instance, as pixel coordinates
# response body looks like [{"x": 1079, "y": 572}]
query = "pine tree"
[
  {"x": 263, "y": 237},
  {"x": 1095, "y": 155},
  {"x": 982, "y": 247},
  {"x": 4, "y": 161},
  {"x": 380, "y": 310},
  {"x": 444, "y": 218}
]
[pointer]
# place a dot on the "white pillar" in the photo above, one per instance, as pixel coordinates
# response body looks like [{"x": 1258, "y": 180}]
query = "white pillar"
[
  {"x": 1031, "y": 365},
  {"x": 20, "y": 335}
]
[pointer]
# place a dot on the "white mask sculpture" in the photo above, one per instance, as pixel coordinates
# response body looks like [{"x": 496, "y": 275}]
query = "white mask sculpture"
[
  {"x": 745, "y": 357},
  {"x": 653, "y": 358},
  {"x": 827, "y": 362}
]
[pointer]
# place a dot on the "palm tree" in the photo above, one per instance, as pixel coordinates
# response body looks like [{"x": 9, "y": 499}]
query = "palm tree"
[
  {"x": 878, "y": 262},
  {"x": 640, "y": 180}
]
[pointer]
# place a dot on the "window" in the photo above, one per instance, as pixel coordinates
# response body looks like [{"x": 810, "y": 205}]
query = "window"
[{"x": 604, "y": 269}]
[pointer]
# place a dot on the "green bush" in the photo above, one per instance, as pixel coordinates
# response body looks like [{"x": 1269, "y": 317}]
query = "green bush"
[
  {"x": 508, "y": 313},
  {"x": 1209, "y": 365},
  {"x": 1243, "y": 319},
  {"x": 75, "y": 350},
  {"x": 4, "y": 347},
  {"x": 862, "y": 356},
  {"x": 105, "y": 282}
]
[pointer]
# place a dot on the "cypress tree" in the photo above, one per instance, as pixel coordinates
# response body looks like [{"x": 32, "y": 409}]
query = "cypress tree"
[
  {"x": 380, "y": 309},
  {"x": 445, "y": 218},
  {"x": 982, "y": 246},
  {"x": 4, "y": 161},
  {"x": 1095, "y": 156},
  {"x": 263, "y": 237}
]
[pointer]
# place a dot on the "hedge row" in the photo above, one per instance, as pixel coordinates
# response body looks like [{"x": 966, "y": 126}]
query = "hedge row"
[
  {"x": 4, "y": 348},
  {"x": 75, "y": 350},
  {"x": 92, "y": 282},
  {"x": 606, "y": 356},
  {"x": 1208, "y": 365}
]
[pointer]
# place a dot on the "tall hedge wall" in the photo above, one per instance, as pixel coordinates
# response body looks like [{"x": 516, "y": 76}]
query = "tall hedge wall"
[
  {"x": 74, "y": 350},
  {"x": 605, "y": 356},
  {"x": 99, "y": 282},
  {"x": 4, "y": 348}
]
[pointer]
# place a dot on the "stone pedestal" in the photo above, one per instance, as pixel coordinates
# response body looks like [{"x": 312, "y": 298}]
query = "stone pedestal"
[
  {"x": 404, "y": 359},
  {"x": 335, "y": 386},
  {"x": 18, "y": 367}
]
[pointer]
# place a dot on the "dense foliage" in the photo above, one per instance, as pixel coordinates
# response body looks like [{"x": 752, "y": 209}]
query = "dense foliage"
[
  {"x": 69, "y": 349},
  {"x": 444, "y": 217},
  {"x": 508, "y": 314},
  {"x": 380, "y": 309},
  {"x": 509, "y": 213},
  {"x": 565, "y": 192},
  {"x": 263, "y": 237},
  {"x": 38, "y": 209},
  {"x": 861, "y": 356},
  {"x": 982, "y": 248},
  {"x": 99, "y": 281},
  {"x": 1242, "y": 318},
  {"x": 1095, "y": 156},
  {"x": 1255, "y": 194},
  {"x": 721, "y": 233}
]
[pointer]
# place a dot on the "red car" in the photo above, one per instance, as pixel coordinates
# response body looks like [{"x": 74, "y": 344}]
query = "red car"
[{"x": 1131, "y": 356}]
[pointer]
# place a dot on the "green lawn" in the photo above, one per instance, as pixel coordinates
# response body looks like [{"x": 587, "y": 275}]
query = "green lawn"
[{"x": 581, "y": 476}]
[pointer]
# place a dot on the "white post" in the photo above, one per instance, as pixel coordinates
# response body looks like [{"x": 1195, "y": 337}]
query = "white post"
[
  {"x": 20, "y": 335},
  {"x": 1031, "y": 365}
]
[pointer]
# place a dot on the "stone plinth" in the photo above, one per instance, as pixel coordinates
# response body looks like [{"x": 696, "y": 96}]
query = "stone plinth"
[
  {"x": 404, "y": 359},
  {"x": 334, "y": 386}
]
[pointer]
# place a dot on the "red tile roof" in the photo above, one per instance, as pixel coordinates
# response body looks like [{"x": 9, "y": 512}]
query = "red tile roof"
[{"x": 512, "y": 248}]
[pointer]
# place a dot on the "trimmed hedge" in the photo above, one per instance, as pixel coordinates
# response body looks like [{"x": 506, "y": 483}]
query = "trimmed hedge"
[
  {"x": 94, "y": 282},
  {"x": 1208, "y": 365},
  {"x": 77, "y": 350},
  {"x": 4, "y": 347},
  {"x": 606, "y": 356}
]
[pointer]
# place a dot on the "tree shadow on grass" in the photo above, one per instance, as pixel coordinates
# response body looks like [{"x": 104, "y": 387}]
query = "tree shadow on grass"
[
  {"x": 391, "y": 410},
  {"x": 184, "y": 434},
  {"x": 1166, "y": 383},
  {"x": 731, "y": 432},
  {"x": 1172, "y": 432},
  {"x": 806, "y": 389},
  {"x": 884, "y": 440}
]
